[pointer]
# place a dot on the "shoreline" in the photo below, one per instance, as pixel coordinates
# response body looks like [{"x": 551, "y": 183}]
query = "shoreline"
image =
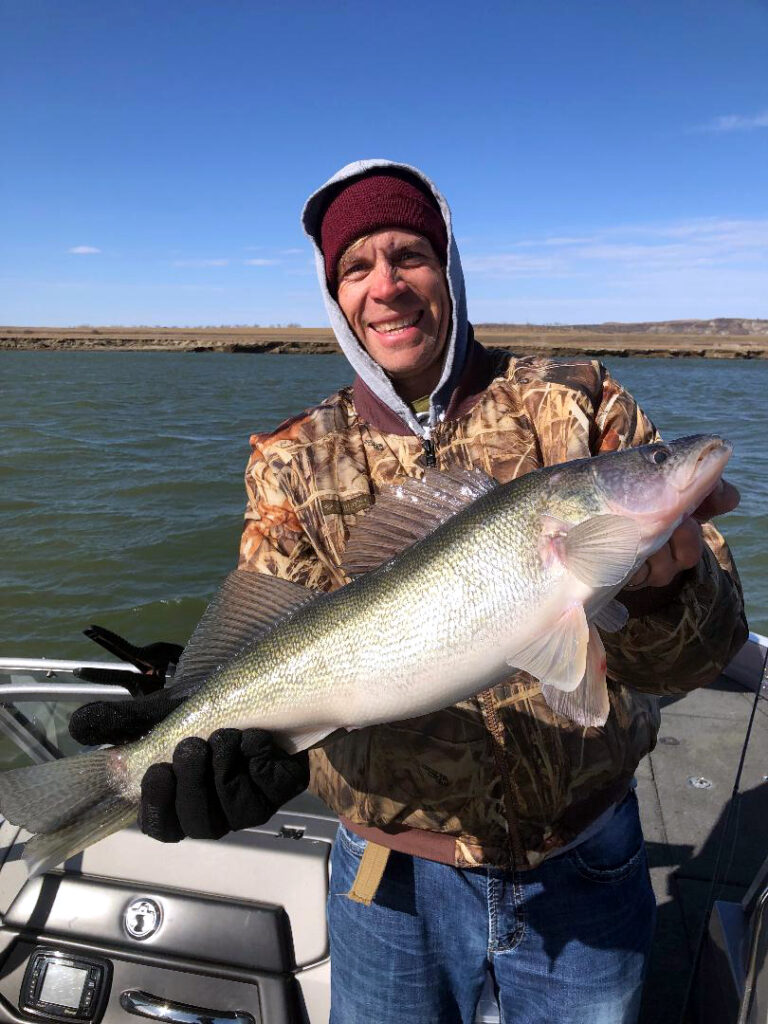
[{"x": 724, "y": 340}]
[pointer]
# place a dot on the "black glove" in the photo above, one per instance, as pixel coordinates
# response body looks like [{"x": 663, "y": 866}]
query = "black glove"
[
  {"x": 121, "y": 721},
  {"x": 235, "y": 780}
]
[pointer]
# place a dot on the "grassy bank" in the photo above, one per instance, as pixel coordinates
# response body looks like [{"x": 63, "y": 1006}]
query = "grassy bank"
[{"x": 727, "y": 339}]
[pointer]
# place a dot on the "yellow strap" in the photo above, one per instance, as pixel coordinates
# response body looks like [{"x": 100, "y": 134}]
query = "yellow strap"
[{"x": 369, "y": 874}]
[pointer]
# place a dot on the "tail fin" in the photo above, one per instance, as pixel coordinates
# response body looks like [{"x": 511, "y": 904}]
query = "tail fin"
[
  {"x": 46, "y": 851},
  {"x": 72, "y": 802}
]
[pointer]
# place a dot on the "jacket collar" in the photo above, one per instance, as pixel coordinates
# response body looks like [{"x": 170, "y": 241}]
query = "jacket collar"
[{"x": 477, "y": 375}]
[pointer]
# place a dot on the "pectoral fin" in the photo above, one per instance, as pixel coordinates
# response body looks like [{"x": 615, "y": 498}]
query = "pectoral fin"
[
  {"x": 601, "y": 551},
  {"x": 588, "y": 704},
  {"x": 559, "y": 657},
  {"x": 612, "y": 617}
]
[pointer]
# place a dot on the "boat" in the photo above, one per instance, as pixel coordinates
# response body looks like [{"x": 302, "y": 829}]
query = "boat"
[{"x": 235, "y": 931}]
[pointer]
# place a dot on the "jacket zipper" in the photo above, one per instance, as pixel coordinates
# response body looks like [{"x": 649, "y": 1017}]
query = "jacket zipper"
[{"x": 428, "y": 446}]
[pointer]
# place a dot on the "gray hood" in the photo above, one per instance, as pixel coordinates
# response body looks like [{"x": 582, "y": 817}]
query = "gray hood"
[{"x": 370, "y": 372}]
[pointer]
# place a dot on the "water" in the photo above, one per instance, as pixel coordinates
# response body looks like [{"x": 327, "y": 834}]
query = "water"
[{"x": 121, "y": 493}]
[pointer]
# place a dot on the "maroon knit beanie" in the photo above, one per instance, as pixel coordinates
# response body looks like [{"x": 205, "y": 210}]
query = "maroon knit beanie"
[{"x": 379, "y": 200}]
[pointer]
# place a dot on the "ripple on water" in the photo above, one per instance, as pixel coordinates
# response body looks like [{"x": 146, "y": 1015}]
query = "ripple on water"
[{"x": 122, "y": 495}]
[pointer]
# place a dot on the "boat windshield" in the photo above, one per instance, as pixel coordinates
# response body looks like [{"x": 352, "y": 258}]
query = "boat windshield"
[{"x": 36, "y": 703}]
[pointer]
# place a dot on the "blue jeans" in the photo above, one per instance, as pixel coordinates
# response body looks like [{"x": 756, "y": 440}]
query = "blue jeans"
[{"x": 566, "y": 942}]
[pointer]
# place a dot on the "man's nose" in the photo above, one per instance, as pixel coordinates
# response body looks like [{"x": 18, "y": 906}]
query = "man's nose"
[{"x": 386, "y": 281}]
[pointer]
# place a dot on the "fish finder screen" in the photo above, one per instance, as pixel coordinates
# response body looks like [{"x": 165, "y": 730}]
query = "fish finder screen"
[{"x": 63, "y": 985}]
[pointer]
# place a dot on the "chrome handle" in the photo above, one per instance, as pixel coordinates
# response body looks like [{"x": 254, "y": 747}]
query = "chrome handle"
[{"x": 142, "y": 1004}]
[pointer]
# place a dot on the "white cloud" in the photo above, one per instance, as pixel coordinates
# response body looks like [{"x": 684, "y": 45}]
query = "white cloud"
[
  {"x": 512, "y": 264},
  {"x": 260, "y": 263},
  {"x": 83, "y": 250},
  {"x": 713, "y": 266},
  {"x": 200, "y": 263},
  {"x": 736, "y": 123},
  {"x": 567, "y": 240},
  {"x": 716, "y": 242}
]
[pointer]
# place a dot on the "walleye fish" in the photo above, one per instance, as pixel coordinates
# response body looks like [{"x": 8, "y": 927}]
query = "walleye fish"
[{"x": 458, "y": 580}]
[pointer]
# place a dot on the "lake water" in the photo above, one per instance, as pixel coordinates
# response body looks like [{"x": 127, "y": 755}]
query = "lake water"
[{"x": 121, "y": 494}]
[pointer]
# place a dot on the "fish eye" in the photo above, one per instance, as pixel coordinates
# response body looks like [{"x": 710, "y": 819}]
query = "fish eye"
[{"x": 660, "y": 455}]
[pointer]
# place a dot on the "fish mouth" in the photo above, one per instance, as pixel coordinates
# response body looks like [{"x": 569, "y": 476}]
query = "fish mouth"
[{"x": 700, "y": 474}]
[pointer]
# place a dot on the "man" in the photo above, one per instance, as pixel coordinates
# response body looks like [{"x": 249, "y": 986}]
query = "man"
[{"x": 506, "y": 838}]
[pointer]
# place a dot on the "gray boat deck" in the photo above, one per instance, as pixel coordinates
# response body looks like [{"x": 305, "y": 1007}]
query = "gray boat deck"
[{"x": 701, "y": 738}]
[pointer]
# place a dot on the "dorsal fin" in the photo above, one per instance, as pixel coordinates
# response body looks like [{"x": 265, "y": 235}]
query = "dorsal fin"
[
  {"x": 408, "y": 511},
  {"x": 246, "y": 605}
]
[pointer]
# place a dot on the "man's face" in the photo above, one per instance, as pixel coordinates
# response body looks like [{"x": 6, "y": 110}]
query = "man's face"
[{"x": 393, "y": 292}]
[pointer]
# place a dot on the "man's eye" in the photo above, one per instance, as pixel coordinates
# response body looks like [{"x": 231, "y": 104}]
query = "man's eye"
[{"x": 352, "y": 268}]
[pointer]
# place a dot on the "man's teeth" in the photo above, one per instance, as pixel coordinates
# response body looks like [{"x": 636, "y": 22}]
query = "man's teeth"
[{"x": 395, "y": 325}]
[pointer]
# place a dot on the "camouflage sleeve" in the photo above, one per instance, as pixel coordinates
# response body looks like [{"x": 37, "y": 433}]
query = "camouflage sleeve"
[
  {"x": 697, "y": 624},
  {"x": 273, "y": 540}
]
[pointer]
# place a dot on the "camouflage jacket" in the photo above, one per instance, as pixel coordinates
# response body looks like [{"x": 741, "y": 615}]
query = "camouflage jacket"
[{"x": 499, "y": 779}]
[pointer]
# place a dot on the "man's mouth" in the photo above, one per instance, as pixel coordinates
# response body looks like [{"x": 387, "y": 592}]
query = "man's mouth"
[{"x": 393, "y": 327}]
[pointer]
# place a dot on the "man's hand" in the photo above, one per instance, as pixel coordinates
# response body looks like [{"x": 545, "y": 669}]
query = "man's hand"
[
  {"x": 684, "y": 548},
  {"x": 233, "y": 781},
  {"x": 121, "y": 721}
]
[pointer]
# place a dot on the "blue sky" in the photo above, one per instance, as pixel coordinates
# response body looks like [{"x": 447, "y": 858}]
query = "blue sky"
[{"x": 604, "y": 160}]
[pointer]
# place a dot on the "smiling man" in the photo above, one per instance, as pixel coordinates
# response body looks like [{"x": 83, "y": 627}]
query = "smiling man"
[
  {"x": 390, "y": 282},
  {"x": 506, "y": 838},
  {"x": 494, "y": 836},
  {"x": 391, "y": 288}
]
